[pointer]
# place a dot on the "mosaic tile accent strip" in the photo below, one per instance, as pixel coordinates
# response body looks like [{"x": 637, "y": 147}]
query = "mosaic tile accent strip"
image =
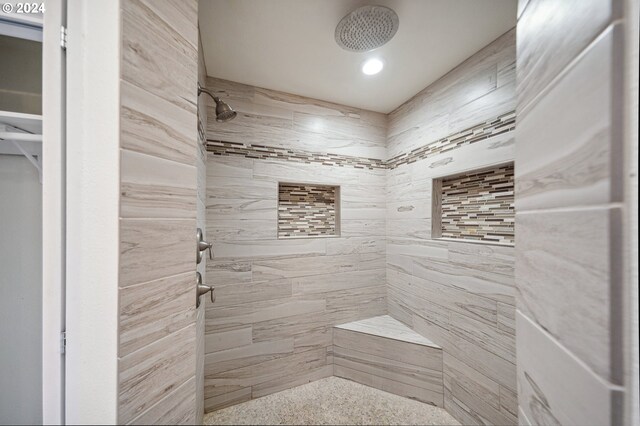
[
  {"x": 479, "y": 206},
  {"x": 502, "y": 124},
  {"x": 262, "y": 152},
  {"x": 307, "y": 210}
]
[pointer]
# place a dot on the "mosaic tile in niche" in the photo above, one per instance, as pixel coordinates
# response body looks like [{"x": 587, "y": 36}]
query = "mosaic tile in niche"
[
  {"x": 479, "y": 206},
  {"x": 307, "y": 210}
]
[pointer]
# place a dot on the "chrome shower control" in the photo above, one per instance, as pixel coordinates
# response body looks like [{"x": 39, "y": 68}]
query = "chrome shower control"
[
  {"x": 201, "y": 246},
  {"x": 202, "y": 289}
]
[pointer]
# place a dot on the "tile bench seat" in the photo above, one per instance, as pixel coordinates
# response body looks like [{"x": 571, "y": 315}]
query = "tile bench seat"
[{"x": 383, "y": 353}]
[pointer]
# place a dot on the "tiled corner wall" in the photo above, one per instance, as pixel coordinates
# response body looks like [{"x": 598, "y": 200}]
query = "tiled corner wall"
[
  {"x": 306, "y": 210},
  {"x": 570, "y": 205},
  {"x": 478, "y": 205},
  {"x": 158, "y": 203},
  {"x": 458, "y": 294},
  {"x": 278, "y": 299}
]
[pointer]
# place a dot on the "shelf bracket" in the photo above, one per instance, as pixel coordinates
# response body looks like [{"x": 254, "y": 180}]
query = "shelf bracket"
[{"x": 35, "y": 160}]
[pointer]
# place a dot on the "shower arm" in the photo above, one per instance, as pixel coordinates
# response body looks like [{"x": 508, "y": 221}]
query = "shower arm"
[{"x": 203, "y": 90}]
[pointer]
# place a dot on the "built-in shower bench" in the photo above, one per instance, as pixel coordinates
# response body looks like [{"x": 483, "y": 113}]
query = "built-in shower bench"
[{"x": 383, "y": 353}]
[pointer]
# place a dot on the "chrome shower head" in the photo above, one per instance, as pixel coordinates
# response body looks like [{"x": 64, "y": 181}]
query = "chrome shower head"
[
  {"x": 366, "y": 28},
  {"x": 223, "y": 111}
]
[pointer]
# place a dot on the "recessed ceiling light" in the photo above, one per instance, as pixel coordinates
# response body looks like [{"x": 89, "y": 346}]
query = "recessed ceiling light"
[{"x": 372, "y": 66}]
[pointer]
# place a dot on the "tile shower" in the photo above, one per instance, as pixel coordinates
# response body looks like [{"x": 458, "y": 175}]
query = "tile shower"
[
  {"x": 383, "y": 222},
  {"x": 366, "y": 265},
  {"x": 278, "y": 299}
]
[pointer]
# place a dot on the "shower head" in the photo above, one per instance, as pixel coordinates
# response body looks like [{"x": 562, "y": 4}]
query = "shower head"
[
  {"x": 223, "y": 111},
  {"x": 366, "y": 28}
]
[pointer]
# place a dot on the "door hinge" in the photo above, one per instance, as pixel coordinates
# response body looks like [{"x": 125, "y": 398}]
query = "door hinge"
[
  {"x": 63, "y": 342},
  {"x": 63, "y": 37}
]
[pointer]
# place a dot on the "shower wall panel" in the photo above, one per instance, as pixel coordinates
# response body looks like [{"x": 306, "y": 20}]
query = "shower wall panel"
[
  {"x": 571, "y": 208},
  {"x": 461, "y": 295},
  {"x": 158, "y": 205},
  {"x": 278, "y": 299}
]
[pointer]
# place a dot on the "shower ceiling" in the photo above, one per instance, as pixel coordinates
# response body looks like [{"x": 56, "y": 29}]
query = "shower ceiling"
[{"x": 290, "y": 45}]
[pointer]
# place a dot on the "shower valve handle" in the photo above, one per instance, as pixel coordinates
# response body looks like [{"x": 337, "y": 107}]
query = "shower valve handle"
[
  {"x": 202, "y": 245},
  {"x": 202, "y": 289}
]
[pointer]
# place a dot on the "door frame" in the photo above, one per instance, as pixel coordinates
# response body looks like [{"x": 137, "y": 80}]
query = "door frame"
[{"x": 54, "y": 215}]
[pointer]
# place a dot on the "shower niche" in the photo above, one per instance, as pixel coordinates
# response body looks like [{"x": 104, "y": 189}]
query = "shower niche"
[
  {"x": 475, "y": 206},
  {"x": 308, "y": 210}
]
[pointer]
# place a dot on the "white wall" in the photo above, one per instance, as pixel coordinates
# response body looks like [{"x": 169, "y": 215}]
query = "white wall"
[
  {"x": 20, "y": 289},
  {"x": 93, "y": 179}
]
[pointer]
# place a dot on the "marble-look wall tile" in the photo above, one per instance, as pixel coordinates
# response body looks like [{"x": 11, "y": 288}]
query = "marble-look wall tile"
[
  {"x": 219, "y": 341},
  {"x": 264, "y": 372},
  {"x": 268, "y": 117},
  {"x": 382, "y": 369},
  {"x": 574, "y": 161},
  {"x": 230, "y": 359},
  {"x": 566, "y": 263},
  {"x": 575, "y": 23},
  {"x": 219, "y": 401},
  {"x": 161, "y": 168},
  {"x": 449, "y": 292},
  {"x": 175, "y": 408},
  {"x": 165, "y": 364},
  {"x": 556, "y": 387},
  {"x": 277, "y": 298},
  {"x": 291, "y": 380},
  {"x": 570, "y": 204},
  {"x": 153, "y": 249},
  {"x": 155, "y": 126},
  {"x": 154, "y": 187},
  {"x": 465, "y": 96},
  {"x": 476, "y": 398},
  {"x": 159, "y": 59},
  {"x": 151, "y": 311}
]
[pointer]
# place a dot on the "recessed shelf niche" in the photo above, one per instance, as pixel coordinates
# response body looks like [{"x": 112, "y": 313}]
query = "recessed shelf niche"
[
  {"x": 475, "y": 206},
  {"x": 308, "y": 210}
]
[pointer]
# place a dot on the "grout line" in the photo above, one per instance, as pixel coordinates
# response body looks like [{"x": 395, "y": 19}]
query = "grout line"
[
  {"x": 194, "y": 325},
  {"x": 549, "y": 336},
  {"x": 571, "y": 209},
  {"x": 164, "y": 399}
]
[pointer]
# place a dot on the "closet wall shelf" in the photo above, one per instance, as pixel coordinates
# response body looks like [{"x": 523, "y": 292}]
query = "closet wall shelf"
[{"x": 21, "y": 134}]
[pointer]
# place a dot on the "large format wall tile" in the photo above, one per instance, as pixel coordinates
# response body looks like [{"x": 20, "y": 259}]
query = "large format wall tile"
[
  {"x": 154, "y": 187},
  {"x": 176, "y": 408},
  {"x": 150, "y": 374},
  {"x": 152, "y": 310},
  {"x": 268, "y": 117},
  {"x": 569, "y": 199},
  {"x": 461, "y": 295},
  {"x": 157, "y": 58},
  {"x": 153, "y": 249},
  {"x": 467, "y": 95},
  {"x": 277, "y": 299},
  {"x": 385, "y": 354},
  {"x": 556, "y": 387},
  {"x": 566, "y": 263},
  {"x": 551, "y": 34},
  {"x": 571, "y": 138},
  {"x": 155, "y": 126},
  {"x": 160, "y": 206}
]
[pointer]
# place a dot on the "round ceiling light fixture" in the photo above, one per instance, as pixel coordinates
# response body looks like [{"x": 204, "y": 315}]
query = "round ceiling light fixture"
[
  {"x": 372, "y": 66},
  {"x": 366, "y": 28}
]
